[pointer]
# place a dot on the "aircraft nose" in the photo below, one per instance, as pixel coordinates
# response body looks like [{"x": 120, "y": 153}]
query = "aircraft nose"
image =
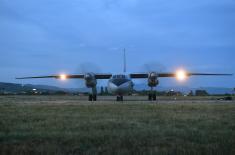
[
  {"x": 119, "y": 86},
  {"x": 116, "y": 88}
]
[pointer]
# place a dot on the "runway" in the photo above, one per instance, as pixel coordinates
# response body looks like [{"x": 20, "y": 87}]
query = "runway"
[{"x": 73, "y": 99}]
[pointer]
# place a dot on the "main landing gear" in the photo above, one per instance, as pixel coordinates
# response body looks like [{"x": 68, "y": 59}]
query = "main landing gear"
[
  {"x": 93, "y": 96},
  {"x": 152, "y": 96}
]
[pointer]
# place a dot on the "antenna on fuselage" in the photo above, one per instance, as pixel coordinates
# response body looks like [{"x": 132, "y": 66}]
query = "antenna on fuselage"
[{"x": 124, "y": 60}]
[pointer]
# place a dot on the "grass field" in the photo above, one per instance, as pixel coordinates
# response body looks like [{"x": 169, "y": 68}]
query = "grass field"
[{"x": 70, "y": 125}]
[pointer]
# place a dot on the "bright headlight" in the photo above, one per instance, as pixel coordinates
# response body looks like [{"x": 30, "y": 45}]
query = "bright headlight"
[
  {"x": 181, "y": 75},
  {"x": 63, "y": 77}
]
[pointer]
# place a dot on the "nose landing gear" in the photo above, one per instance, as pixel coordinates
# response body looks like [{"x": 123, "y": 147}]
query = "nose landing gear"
[{"x": 119, "y": 98}]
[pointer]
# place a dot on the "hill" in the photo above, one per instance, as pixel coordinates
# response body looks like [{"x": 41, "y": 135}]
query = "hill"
[{"x": 18, "y": 88}]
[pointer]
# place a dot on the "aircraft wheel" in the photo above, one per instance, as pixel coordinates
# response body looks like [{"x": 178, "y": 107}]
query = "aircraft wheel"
[
  {"x": 94, "y": 97},
  {"x": 154, "y": 97},
  {"x": 150, "y": 97},
  {"x": 121, "y": 98},
  {"x": 90, "y": 98}
]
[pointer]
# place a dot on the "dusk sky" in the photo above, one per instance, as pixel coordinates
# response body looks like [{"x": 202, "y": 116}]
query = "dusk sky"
[{"x": 56, "y": 36}]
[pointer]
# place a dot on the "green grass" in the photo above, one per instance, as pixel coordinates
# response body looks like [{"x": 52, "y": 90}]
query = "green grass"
[{"x": 47, "y": 125}]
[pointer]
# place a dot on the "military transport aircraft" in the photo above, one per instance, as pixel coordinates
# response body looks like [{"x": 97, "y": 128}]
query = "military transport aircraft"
[{"x": 121, "y": 84}]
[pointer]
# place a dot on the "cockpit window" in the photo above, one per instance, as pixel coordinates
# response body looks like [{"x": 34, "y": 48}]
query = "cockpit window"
[
  {"x": 119, "y": 80},
  {"x": 119, "y": 76}
]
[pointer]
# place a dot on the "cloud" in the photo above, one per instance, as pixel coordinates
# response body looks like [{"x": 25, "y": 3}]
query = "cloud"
[{"x": 53, "y": 34}]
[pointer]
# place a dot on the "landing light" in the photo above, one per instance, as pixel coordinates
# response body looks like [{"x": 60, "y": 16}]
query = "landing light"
[
  {"x": 63, "y": 77},
  {"x": 181, "y": 75}
]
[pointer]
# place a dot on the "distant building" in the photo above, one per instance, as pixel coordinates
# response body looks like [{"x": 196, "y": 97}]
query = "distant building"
[
  {"x": 174, "y": 93},
  {"x": 201, "y": 93}
]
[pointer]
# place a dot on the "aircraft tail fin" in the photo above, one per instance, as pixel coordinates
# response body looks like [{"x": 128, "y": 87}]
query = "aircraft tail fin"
[{"x": 124, "y": 60}]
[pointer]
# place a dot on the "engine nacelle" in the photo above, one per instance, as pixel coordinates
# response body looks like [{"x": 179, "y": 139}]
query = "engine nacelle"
[
  {"x": 90, "y": 80},
  {"x": 152, "y": 79}
]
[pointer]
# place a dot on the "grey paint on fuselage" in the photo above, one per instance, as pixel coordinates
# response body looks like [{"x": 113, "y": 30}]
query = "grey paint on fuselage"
[{"x": 120, "y": 84}]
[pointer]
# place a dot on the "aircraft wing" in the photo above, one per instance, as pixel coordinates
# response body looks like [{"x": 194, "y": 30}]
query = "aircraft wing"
[
  {"x": 145, "y": 75},
  {"x": 139, "y": 75},
  {"x": 55, "y": 76},
  {"x": 69, "y": 76},
  {"x": 191, "y": 74},
  {"x": 103, "y": 76}
]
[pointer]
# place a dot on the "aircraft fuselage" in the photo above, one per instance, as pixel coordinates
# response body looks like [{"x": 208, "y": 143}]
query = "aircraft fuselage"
[{"x": 120, "y": 84}]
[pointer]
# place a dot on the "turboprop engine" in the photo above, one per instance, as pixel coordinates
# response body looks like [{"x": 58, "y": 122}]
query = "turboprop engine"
[
  {"x": 152, "y": 79},
  {"x": 90, "y": 80}
]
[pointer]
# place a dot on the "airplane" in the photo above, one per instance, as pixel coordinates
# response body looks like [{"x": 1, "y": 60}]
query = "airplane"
[{"x": 122, "y": 84}]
